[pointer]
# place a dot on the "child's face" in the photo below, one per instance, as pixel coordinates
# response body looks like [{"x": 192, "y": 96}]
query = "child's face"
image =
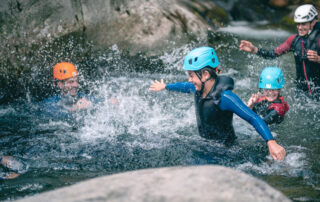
[
  {"x": 271, "y": 94},
  {"x": 193, "y": 78}
]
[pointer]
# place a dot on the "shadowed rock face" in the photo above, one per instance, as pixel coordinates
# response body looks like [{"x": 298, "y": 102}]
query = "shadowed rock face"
[
  {"x": 137, "y": 25},
  {"x": 40, "y": 33},
  {"x": 36, "y": 33},
  {"x": 201, "y": 183}
]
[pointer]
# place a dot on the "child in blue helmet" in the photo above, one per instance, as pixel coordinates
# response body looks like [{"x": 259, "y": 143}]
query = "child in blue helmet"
[
  {"x": 270, "y": 105},
  {"x": 215, "y": 103}
]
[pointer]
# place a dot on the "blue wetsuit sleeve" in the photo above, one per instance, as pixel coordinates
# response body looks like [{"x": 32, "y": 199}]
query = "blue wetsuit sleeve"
[
  {"x": 231, "y": 102},
  {"x": 184, "y": 87},
  {"x": 50, "y": 108}
]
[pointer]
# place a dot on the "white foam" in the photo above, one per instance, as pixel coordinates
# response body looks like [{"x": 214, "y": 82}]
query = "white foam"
[
  {"x": 247, "y": 30},
  {"x": 293, "y": 165}
]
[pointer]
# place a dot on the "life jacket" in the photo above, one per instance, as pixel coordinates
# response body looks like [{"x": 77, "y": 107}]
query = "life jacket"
[
  {"x": 213, "y": 123},
  {"x": 263, "y": 107},
  {"x": 308, "y": 73}
]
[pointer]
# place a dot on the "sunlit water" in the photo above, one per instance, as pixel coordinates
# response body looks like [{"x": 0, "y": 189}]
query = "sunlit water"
[{"x": 148, "y": 129}]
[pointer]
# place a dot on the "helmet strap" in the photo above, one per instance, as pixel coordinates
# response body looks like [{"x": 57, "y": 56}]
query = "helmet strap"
[{"x": 202, "y": 82}]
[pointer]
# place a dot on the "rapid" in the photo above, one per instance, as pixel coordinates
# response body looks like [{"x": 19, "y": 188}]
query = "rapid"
[{"x": 158, "y": 129}]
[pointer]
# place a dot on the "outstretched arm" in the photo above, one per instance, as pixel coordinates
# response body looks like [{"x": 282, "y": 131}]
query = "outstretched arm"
[
  {"x": 268, "y": 54},
  {"x": 158, "y": 86},
  {"x": 184, "y": 87},
  {"x": 231, "y": 102},
  {"x": 247, "y": 46}
]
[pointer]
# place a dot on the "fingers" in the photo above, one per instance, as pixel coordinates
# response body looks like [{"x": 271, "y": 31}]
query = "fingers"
[
  {"x": 280, "y": 155},
  {"x": 246, "y": 46},
  {"x": 157, "y": 85},
  {"x": 312, "y": 56}
]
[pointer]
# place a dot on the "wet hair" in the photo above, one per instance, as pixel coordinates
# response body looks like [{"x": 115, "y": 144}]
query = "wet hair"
[{"x": 209, "y": 69}]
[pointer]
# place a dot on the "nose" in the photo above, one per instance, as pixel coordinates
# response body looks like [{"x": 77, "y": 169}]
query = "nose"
[{"x": 75, "y": 84}]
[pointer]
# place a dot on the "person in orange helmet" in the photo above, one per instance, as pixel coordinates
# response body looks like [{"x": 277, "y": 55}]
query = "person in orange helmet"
[{"x": 65, "y": 78}]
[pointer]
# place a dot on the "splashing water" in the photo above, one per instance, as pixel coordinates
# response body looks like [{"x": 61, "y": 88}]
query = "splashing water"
[{"x": 147, "y": 129}]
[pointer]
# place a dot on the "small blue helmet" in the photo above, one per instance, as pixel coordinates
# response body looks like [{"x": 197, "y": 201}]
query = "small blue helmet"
[
  {"x": 199, "y": 58},
  {"x": 271, "y": 78}
]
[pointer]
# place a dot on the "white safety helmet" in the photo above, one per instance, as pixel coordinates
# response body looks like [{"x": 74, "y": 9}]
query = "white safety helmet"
[{"x": 305, "y": 13}]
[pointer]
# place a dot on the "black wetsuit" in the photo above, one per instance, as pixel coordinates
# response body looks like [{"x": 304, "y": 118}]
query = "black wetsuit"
[
  {"x": 307, "y": 72},
  {"x": 212, "y": 121},
  {"x": 214, "y": 113}
]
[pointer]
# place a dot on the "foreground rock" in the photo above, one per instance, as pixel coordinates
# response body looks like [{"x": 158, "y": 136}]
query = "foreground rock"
[{"x": 201, "y": 183}]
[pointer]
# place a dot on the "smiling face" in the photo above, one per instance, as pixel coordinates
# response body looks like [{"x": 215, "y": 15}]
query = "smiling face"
[
  {"x": 304, "y": 28},
  {"x": 271, "y": 94},
  {"x": 69, "y": 86},
  {"x": 193, "y": 78}
]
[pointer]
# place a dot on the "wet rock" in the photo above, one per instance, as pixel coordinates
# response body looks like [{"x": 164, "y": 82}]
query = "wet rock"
[
  {"x": 37, "y": 32},
  {"x": 138, "y": 25},
  {"x": 201, "y": 183}
]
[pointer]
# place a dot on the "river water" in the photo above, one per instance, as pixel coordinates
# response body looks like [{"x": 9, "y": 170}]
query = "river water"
[{"x": 149, "y": 129}]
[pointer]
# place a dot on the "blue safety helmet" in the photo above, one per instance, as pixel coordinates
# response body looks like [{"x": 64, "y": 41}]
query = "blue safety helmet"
[
  {"x": 199, "y": 58},
  {"x": 271, "y": 78}
]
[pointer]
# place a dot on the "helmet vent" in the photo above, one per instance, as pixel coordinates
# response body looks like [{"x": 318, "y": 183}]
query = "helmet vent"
[
  {"x": 213, "y": 60},
  {"x": 190, "y": 62},
  {"x": 196, "y": 59}
]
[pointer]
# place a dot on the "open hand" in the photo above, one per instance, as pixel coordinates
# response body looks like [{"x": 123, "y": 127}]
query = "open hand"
[
  {"x": 157, "y": 86},
  {"x": 248, "y": 47},
  {"x": 253, "y": 99}
]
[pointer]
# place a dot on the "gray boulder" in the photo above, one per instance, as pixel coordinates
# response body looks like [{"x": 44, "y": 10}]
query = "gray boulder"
[
  {"x": 139, "y": 25},
  {"x": 36, "y": 34},
  {"x": 194, "y": 183}
]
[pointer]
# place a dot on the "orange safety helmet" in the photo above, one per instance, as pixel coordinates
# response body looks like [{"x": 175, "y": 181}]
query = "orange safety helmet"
[{"x": 64, "y": 70}]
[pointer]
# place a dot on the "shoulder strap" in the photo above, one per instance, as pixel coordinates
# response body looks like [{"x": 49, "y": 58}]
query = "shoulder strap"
[
  {"x": 312, "y": 39},
  {"x": 294, "y": 42}
]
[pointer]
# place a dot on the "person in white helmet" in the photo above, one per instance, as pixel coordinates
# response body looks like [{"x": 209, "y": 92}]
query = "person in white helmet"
[{"x": 306, "y": 48}]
